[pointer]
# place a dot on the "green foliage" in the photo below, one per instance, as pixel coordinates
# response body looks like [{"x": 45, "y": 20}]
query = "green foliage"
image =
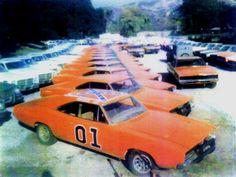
[
  {"x": 24, "y": 21},
  {"x": 132, "y": 21},
  {"x": 198, "y": 16},
  {"x": 129, "y": 22}
]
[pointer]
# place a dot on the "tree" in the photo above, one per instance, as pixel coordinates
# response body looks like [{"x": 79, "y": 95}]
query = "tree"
[
  {"x": 24, "y": 21},
  {"x": 132, "y": 21},
  {"x": 198, "y": 16}
]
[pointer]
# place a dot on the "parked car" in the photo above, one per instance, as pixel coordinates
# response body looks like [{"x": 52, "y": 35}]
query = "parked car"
[
  {"x": 11, "y": 72},
  {"x": 192, "y": 70},
  {"x": 45, "y": 73},
  {"x": 135, "y": 50},
  {"x": 143, "y": 139},
  {"x": 151, "y": 49},
  {"x": 219, "y": 58},
  {"x": 10, "y": 94},
  {"x": 4, "y": 114},
  {"x": 72, "y": 74},
  {"x": 152, "y": 98},
  {"x": 94, "y": 64},
  {"x": 228, "y": 62}
]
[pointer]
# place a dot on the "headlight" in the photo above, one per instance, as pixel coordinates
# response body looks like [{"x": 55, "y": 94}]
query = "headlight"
[
  {"x": 2, "y": 106},
  {"x": 17, "y": 91}
]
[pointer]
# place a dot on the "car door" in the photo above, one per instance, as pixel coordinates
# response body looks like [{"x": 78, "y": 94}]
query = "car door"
[{"x": 84, "y": 124}]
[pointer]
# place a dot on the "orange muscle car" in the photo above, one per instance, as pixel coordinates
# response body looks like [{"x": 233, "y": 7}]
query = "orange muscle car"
[
  {"x": 94, "y": 64},
  {"x": 151, "y": 98},
  {"x": 116, "y": 124},
  {"x": 192, "y": 70}
]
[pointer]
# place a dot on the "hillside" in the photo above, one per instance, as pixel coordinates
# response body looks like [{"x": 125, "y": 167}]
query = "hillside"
[{"x": 154, "y": 10}]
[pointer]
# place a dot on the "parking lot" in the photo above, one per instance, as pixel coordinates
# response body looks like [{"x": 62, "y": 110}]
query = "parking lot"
[{"x": 22, "y": 155}]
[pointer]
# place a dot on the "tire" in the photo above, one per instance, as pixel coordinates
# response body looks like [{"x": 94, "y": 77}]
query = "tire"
[
  {"x": 139, "y": 163},
  {"x": 45, "y": 135},
  {"x": 184, "y": 55}
]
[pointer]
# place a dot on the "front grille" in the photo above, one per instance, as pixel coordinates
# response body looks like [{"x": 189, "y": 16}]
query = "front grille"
[
  {"x": 29, "y": 82},
  {"x": 21, "y": 83},
  {"x": 44, "y": 78},
  {"x": 199, "y": 77},
  {"x": 25, "y": 84},
  {"x": 183, "y": 110}
]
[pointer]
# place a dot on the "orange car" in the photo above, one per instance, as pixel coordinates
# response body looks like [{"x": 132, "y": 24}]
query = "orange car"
[
  {"x": 72, "y": 74},
  {"x": 192, "y": 70},
  {"x": 117, "y": 124},
  {"x": 153, "y": 99},
  {"x": 226, "y": 60},
  {"x": 94, "y": 64}
]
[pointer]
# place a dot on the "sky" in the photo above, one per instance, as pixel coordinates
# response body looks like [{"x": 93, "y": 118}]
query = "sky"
[{"x": 114, "y": 3}]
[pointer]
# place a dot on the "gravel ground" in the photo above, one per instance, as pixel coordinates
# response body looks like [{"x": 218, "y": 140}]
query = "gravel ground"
[{"x": 21, "y": 155}]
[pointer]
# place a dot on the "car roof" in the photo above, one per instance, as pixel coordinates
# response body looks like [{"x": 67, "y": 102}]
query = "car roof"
[
  {"x": 96, "y": 96},
  {"x": 107, "y": 78},
  {"x": 12, "y": 59}
]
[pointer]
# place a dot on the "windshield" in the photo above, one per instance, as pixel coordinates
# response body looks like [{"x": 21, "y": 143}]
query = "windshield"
[
  {"x": 198, "y": 62},
  {"x": 203, "y": 45},
  {"x": 29, "y": 61},
  {"x": 224, "y": 48},
  {"x": 126, "y": 86},
  {"x": 122, "y": 110},
  {"x": 2, "y": 69},
  {"x": 233, "y": 49},
  {"x": 37, "y": 58},
  {"x": 16, "y": 65},
  {"x": 135, "y": 47}
]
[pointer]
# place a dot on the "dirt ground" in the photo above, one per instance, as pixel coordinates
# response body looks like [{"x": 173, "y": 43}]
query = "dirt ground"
[{"x": 21, "y": 155}]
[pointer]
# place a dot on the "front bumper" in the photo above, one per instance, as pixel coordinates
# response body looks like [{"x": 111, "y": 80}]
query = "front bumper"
[
  {"x": 198, "y": 153},
  {"x": 197, "y": 81},
  {"x": 184, "y": 109}
]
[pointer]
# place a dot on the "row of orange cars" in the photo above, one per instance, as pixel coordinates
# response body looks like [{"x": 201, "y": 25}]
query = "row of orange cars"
[{"x": 107, "y": 102}]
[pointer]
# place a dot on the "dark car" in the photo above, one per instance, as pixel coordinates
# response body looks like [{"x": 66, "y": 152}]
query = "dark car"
[
  {"x": 4, "y": 114},
  {"x": 10, "y": 94}
]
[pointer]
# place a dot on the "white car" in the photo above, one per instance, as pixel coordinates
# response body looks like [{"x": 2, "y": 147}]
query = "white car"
[
  {"x": 30, "y": 77},
  {"x": 23, "y": 81}
]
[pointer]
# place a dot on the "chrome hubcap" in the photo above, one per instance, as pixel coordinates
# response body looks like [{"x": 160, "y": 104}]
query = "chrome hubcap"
[
  {"x": 44, "y": 133},
  {"x": 142, "y": 163}
]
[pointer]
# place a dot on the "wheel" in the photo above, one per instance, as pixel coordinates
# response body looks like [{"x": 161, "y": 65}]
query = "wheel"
[
  {"x": 139, "y": 163},
  {"x": 45, "y": 135},
  {"x": 184, "y": 55}
]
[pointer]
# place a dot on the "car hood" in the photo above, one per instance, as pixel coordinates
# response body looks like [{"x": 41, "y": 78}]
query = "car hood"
[
  {"x": 171, "y": 127},
  {"x": 225, "y": 54},
  {"x": 161, "y": 99},
  {"x": 157, "y": 84},
  {"x": 195, "y": 70},
  {"x": 25, "y": 72}
]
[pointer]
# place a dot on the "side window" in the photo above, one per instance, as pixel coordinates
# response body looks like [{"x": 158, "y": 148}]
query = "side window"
[
  {"x": 71, "y": 109},
  {"x": 99, "y": 85},
  {"x": 91, "y": 112},
  {"x": 83, "y": 86},
  {"x": 84, "y": 110},
  {"x": 89, "y": 73}
]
